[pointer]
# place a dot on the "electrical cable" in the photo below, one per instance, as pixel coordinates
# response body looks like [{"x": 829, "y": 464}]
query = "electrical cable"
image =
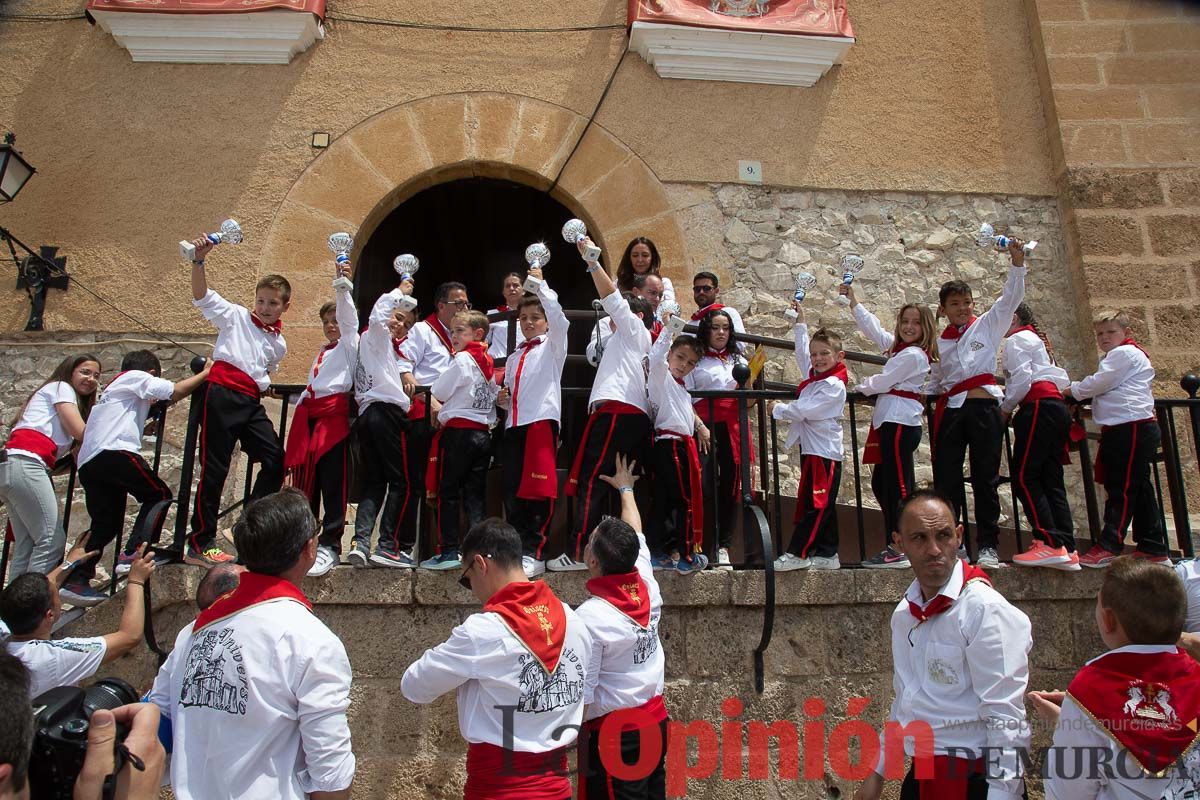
[
  {"x": 611, "y": 77},
  {"x": 432, "y": 26},
  {"x": 97, "y": 343}
]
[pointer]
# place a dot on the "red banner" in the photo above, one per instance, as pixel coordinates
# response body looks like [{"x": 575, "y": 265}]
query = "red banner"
[
  {"x": 208, "y": 6},
  {"x": 812, "y": 17}
]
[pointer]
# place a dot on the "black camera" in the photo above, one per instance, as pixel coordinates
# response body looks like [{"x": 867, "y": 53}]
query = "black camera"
[{"x": 62, "y": 717}]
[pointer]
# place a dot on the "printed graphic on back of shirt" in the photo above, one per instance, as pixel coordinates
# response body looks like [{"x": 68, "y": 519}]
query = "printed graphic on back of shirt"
[
  {"x": 646, "y": 644},
  {"x": 541, "y": 692},
  {"x": 483, "y": 396},
  {"x": 215, "y": 674}
]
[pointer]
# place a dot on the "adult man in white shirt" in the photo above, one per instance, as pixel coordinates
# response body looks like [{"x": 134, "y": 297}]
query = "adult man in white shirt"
[
  {"x": 705, "y": 291},
  {"x": 518, "y": 671},
  {"x": 257, "y": 688},
  {"x": 30, "y": 607},
  {"x": 961, "y": 666}
]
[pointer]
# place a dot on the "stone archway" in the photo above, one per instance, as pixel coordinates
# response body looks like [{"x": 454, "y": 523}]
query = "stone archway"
[{"x": 374, "y": 167}]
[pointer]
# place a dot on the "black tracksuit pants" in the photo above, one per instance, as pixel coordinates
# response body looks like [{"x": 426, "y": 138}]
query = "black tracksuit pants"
[
  {"x": 1041, "y": 432},
  {"x": 108, "y": 479},
  {"x": 382, "y": 435},
  {"x": 976, "y": 425}
]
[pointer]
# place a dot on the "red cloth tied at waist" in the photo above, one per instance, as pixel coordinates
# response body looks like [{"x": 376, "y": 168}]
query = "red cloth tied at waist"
[
  {"x": 35, "y": 442},
  {"x": 494, "y": 773},
  {"x": 871, "y": 452},
  {"x": 695, "y": 483},
  {"x": 416, "y": 409},
  {"x": 433, "y": 472},
  {"x": 726, "y": 410},
  {"x": 939, "y": 410},
  {"x": 649, "y": 713},
  {"x": 614, "y": 407},
  {"x": 816, "y": 480},
  {"x": 539, "y": 472},
  {"x": 225, "y": 374},
  {"x": 317, "y": 427},
  {"x": 949, "y": 777},
  {"x": 1047, "y": 390}
]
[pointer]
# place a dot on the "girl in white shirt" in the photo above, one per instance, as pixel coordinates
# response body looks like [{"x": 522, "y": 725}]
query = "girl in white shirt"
[
  {"x": 1041, "y": 435},
  {"x": 49, "y": 424},
  {"x": 641, "y": 257},
  {"x": 898, "y": 391}
]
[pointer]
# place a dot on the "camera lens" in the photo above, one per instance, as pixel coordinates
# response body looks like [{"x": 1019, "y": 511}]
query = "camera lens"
[{"x": 108, "y": 693}]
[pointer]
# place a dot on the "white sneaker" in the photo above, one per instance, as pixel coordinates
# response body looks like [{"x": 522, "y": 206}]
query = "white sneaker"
[
  {"x": 326, "y": 560},
  {"x": 565, "y": 563},
  {"x": 533, "y": 568},
  {"x": 988, "y": 558},
  {"x": 723, "y": 561},
  {"x": 821, "y": 562},
  {"x": 788, "y": 562}
]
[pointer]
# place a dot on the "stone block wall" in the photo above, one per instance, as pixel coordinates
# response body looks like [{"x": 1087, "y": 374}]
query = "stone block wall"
[{"x": 830, "y": 643}]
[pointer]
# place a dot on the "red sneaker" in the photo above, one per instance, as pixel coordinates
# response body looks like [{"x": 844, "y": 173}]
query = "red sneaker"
[
  {"x": 1097, "y": 557},
  {"x": 1041, "y": 554},
  {"x": 1151, "y": 557}
]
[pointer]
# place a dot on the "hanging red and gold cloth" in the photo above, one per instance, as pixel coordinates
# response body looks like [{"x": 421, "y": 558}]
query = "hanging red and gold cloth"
[
  {"x": 811, "y": 17},
  {"x": 208, "y": 6}
]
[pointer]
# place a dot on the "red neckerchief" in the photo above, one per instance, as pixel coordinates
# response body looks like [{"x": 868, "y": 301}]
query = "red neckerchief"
[
  {"x": 953, "y": 332},
  {"x": 502, "y": 308},
  {"x": 478, "y": 351},
  {"x": 253, "y": 588},
  {"x": 721, "y": 354},
  {"x": 275, "y": 328},
  {"x": 535, "y": 616},
  {"x": 626, "y": 593},
  {"x": 900, "y": 347},
  {"x": 440, "y": 331},
  {"x": 1145, "y": 701},
  {"x": 942, "y": 603},
  {"x": 114, "y": 380},
  {"x": 1029, "y": 328},
  {"x": 396, "y": 345},
  {"x": 317, "y": 366},
  {"x": 701, "y": 313},
  {"x": 530, "y": 343},
  {"x": 1135, "y": 344},
  {"x": 836, "y": 371}
]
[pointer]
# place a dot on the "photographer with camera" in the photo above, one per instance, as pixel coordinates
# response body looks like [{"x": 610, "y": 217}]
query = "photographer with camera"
[
  {"x": 258, "y": 687},
  {"x": 30, "y": 607}
]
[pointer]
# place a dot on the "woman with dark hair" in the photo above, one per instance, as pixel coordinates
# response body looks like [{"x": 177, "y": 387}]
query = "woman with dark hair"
[
  {"x": 49, "y": 424},
  {"x": 639, "y": 258},
  {"x": 715, "y": 371},
  {"x": 497, "y": 335}
]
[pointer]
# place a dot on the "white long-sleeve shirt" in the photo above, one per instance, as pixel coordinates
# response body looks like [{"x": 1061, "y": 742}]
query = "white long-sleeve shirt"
[
  {"x": 119, "y": 416},
  {"x": 494, "y": 675},
  {"x": 627, "y": 667},
  {"x": 974, "y": 353},
  {"x": 1122, "y": 389},
  {"x": 533, "y": 374},
  {"x": 377, "y": 378},
  {"x": 465, "y": 393},
  {"x": 497, "y": 336},
  {"x": 257, "y": 703},
  {"x": 426, "y": 355},
  {"x": 1077, "y": 736},
  {"x": 1189, "y": 573},
  {"x": 964, "y": 672},
  {"x": 1026, "y": 362},
  {"x": 621, "y": 375},
  {"x": 816, "y": 413},
  {"x": 907, "y": 371},
  {"x": 241, "y": 343},
  {"x": 332, "y": 371},
  {"x": 669, "y": 399}
]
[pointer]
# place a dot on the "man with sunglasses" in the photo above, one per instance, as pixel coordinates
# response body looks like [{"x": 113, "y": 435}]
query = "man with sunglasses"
[
  {"x": 428, "y": 352},
  {"x": 518, "y": 669},
  {"x": 706, "y": 290}
]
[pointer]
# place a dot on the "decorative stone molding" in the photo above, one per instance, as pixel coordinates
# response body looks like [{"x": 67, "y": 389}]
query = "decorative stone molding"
[
  {"x": 260, "y": 37},
  {"x": 712, "y": 54}
]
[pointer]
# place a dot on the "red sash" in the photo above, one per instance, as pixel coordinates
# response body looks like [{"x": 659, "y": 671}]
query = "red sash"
[
  {"x": 534, "y": 615},
  {"x": 317, "y": 427},
  {"x": 433, "y": 472},
  {"x": 654, "y": 708},
  {"x": 614, "y": 407},
  {"x": 35, "y": 442},
  {"x": 1144, "y": 701},
  {"x": 253, "y": 588},
  {"x": 439, "y": 330},
  {"x": 626, "y": 593},
  {"x": 494, "y": 773},
  {"x": 872, "y": 454},
  {"x": 539, "y": 472},
  {"x": 696, "y": 501},
  {"x": 701, "y": 313},
  {"x": 939, "y": 409},
  {"x": 942, "y": 603},
  {"x": 225, "y": 374},
  {"x": 950, "y": 776},
  {"x": 816, "y": 478},
  {"x": 1042, "y": 390}
]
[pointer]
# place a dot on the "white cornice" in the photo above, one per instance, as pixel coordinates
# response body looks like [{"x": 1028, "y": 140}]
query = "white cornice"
[{"x": 257, "y": 37}]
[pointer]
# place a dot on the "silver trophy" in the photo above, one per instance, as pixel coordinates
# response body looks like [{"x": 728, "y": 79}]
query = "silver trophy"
[
  {"x": 574, "y": 232},
  {"x": 675, "y": 322},
  {"x": 230, "y": 233},
  {"x": 851, "y": 266},
  {"x": 537, "y": 255},
  {"x": 406, "y": 266},
  {"x": 804, "y": 282},
  {"x": 987, "y": 237},
  {"x": 340, "y": 244}
]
